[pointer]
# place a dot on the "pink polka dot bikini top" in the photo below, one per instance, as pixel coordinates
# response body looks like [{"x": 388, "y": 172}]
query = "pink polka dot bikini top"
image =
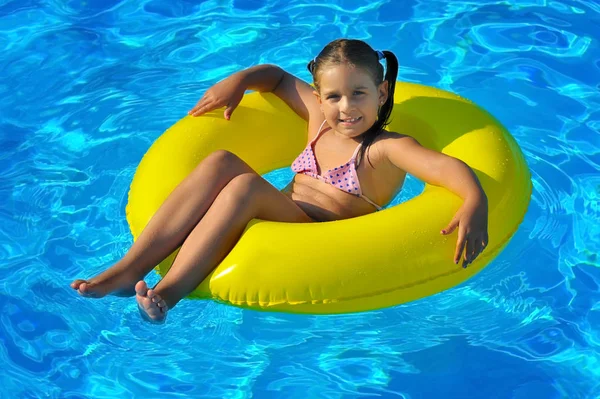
[{"x": 343, "y": 177}]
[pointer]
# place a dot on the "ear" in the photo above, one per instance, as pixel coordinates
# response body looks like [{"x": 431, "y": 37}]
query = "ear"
[
  {"x": 383, "y": 90},
  {"x": 316, "y": 94}
]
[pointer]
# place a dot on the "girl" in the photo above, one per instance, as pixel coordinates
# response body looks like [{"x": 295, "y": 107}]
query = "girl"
[{"x": 346, "y": 114}]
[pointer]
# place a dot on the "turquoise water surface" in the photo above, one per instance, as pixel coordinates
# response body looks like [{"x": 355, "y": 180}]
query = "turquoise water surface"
[{"x": 87, "y": 86}]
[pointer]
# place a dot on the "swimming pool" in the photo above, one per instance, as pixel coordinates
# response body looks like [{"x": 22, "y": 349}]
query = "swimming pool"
[{"x": 88, "y": 86}]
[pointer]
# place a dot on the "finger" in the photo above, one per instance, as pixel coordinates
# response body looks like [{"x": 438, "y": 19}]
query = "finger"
[
  {"x": 469, "y": 250},
  {"x": 477, "y": 250},
  {"x": 199, "y": 104},
  {"x": 207, "y": 107},
  {"x": 451, "y": 227},
  {"x": 465, "y": 264},
  {"x": 201, "y": 108},
  {"x": 232, "y": 106},
  {"x": 228, "y": 111},
  {"x": 460, "y": 245},
  {"x": 196, "y": 108}
]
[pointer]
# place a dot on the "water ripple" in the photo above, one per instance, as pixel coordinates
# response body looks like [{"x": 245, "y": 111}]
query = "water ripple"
[{"x": 92, "y": 84}]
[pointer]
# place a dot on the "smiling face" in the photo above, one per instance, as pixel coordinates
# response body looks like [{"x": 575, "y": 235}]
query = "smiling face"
[{"x": 350, "y": 98}]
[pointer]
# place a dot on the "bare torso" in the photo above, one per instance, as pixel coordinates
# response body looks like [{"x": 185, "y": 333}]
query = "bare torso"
[{"x": 380, "y": 181}]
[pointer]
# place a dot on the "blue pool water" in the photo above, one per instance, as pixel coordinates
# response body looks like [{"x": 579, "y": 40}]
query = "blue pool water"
[{"x": 87, "y": 86}]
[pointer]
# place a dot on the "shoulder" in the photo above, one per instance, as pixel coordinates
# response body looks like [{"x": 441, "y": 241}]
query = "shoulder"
[
  {"x": 387, "y": 143},
  {"x": 392, "y": 141},
  {"x": 398, "y": 148},
  {"x": 299, "y": 96}
]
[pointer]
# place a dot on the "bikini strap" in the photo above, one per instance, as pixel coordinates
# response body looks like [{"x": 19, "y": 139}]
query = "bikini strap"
[
  {"x": 318, "y": 132},
  {"x": 371, "y": 202},
  {"x": 356, "y": 151}
]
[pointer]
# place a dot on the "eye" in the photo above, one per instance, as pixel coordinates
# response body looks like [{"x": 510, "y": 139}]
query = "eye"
[
  {"x": 357, "y": 93},
  {"x": 331, "y": 96}
]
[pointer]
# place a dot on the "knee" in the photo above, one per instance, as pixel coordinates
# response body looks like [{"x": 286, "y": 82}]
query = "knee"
[
  {"x": 221, "y": 163},
  {"x": 242, "y": 189},
  {"x": 221, "y": 158}
]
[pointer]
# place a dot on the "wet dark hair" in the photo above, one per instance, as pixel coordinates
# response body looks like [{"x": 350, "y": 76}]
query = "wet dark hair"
[{"x": 361, "y": 55}]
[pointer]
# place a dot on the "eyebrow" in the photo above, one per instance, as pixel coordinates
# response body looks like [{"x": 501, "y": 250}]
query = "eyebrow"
[{"x": 356, "y": 88}]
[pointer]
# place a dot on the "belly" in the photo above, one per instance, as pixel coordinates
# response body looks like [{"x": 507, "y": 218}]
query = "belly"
[{"x": 323, "y": 202}]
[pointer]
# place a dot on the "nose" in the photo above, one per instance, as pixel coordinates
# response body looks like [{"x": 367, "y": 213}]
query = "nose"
[{"x": 346, "y": 105}]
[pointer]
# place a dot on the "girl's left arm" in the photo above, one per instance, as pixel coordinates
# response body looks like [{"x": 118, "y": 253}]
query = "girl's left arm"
[{"x": 453, "y": 174}]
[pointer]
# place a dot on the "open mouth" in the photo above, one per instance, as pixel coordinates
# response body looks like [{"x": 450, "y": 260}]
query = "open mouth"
[{"x": 350, "y": 121}]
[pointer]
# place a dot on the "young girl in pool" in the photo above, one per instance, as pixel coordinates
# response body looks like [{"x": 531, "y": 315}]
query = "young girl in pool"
[{"x": 346, "y": 113}]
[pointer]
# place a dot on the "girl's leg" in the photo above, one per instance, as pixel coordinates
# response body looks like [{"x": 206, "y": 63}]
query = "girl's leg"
[
  {"x": 168, "y": 228},
  {"x": 246, "y": 197}
]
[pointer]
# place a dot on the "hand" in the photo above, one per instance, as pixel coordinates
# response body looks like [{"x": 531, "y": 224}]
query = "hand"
[
  {"x": 227, "y": 93},
  {"x": 472, "y": 222}
]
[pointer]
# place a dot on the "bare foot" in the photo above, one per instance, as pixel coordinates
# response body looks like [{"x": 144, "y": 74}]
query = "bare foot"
[
  {"x": 152, "y": 307},
  {"x": 114, "y": 280}
]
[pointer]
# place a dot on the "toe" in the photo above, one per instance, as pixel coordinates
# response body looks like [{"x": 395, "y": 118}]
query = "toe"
[
  {"x": 82, "y": 287},
  {"x": 153, "y": 295},
  {"x": 141, "y": 288},
  {"x": 147, "y": 304},
  {"x": 75, "y": 284},
  {"x": 150, "y": 311},
  {"x": 85, "y": 289}
]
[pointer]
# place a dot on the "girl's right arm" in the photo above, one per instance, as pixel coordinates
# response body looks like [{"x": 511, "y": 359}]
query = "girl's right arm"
[{"x": 296, "y": 93}]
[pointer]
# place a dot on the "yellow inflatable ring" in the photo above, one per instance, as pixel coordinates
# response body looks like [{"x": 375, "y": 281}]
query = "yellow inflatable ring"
[{"x": 381, "y": 259}]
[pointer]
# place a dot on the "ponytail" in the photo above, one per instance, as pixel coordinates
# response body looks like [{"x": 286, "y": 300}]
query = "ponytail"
[{"x": 383, "y": 116}]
